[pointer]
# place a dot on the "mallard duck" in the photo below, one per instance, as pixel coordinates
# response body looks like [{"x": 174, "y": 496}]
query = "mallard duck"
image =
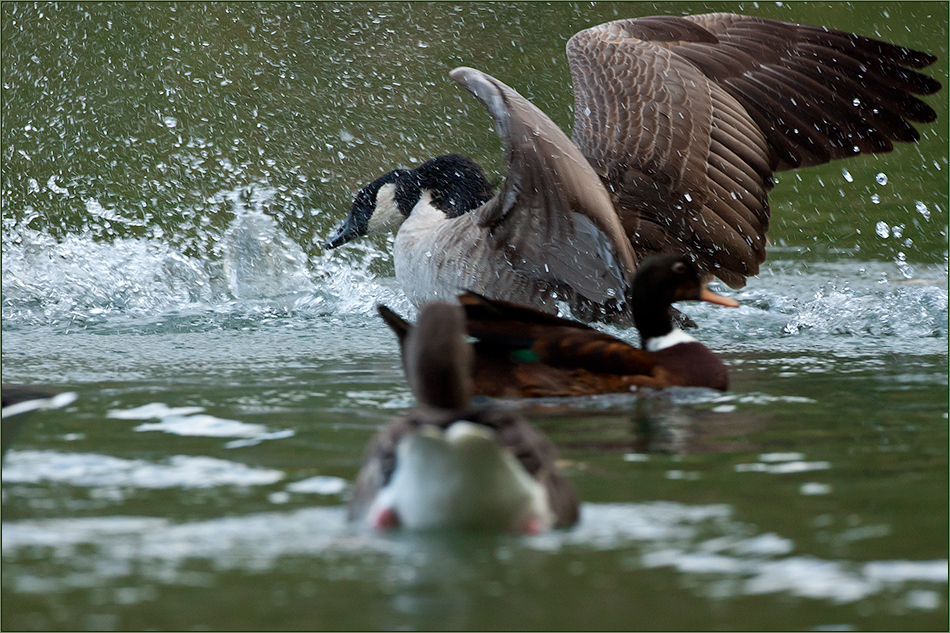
[{"x": 523, "y": 352}]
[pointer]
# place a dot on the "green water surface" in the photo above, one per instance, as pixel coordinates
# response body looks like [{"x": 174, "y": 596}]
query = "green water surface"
[{"x": 169, "y": 173}]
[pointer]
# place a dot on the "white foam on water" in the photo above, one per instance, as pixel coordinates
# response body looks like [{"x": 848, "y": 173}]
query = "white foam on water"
[
  {"x": 781, "y": 457},
  {"x": 151, "y": 411},
  {"x": 319, "y": 485},
  {"x": 204, "y": 426},
  {"x": 54, "y": 402},
  {"x": 188, "y": 421},
  {"x": 659, "y": 534},
  {"x": 94, "y": 470},
  {"x": 784, "y": 468}
]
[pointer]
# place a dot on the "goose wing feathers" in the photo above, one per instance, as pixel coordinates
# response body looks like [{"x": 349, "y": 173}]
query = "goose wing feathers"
[
  {"x": 552, "y": 217},
  {"x": 685, "y": 120}
]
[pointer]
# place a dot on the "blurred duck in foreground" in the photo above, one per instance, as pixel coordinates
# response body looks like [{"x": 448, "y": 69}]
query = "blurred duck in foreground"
[
  {"x": 19, "y": 400},
  {"x": 446, "y": 464},
  {"x": 522, "y": 352}
]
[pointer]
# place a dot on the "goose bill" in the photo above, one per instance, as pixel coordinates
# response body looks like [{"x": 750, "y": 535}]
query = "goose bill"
[{"x": 343, "y": 234}]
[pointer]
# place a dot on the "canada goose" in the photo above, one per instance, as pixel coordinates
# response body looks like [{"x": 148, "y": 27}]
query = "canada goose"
[
  {"x": 522, "y": 352},
  {"x": 446, "y": 464},
  {"x": 679, "y": 124}
]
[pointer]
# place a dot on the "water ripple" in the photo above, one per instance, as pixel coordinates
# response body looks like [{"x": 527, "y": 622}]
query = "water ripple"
[{"x": 696, "y": 540}]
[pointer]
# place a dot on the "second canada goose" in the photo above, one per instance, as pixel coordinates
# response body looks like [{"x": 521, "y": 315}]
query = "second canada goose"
[
  {"x": 447, "y": 464},
  {"x": 679, "y": 124}
]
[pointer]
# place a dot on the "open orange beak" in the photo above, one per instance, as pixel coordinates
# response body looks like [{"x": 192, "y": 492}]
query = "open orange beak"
[{"x": 708, "y": 295}]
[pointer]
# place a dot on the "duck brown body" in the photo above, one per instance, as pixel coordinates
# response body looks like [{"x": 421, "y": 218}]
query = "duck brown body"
[
  {"x": 572, "y": 359},
  {"x": 523, "y": 352}
]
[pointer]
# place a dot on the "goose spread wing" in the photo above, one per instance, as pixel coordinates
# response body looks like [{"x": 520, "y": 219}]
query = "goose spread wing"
[
  {"x": 552, "y": 217},
  {"x": 685, "y": 120}
]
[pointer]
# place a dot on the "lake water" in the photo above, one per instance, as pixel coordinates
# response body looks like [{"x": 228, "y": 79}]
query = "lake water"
[{"x": 169, "y": 173}]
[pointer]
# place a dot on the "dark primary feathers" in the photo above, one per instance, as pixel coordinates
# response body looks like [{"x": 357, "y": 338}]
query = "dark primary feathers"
[{"x": 686, "y": 118}]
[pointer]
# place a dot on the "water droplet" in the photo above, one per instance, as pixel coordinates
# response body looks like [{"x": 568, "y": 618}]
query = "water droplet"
[
  {"x": 52, "y": 186},
  {"x": 856, "y": 102},
  {"x": 881, "y": 178},
  {"x": 906, "y": 270},
  {"x": 882, "y": 229},
  {"x": 170, "y": 122},
  {"x": 813, "y": 487},
  {"x": 923, "y": 210},
  {"x": 847, "y": 175},
  {"x": 876, "y": 199}
]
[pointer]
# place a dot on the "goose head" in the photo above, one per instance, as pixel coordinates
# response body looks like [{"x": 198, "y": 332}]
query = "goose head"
[{"x": 453, "y": 184}]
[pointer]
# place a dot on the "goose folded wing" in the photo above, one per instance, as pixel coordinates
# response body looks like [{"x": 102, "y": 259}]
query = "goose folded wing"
[{"x": 552, "y": 217}]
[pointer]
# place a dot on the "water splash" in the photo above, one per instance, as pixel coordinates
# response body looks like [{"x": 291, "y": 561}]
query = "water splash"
[
  {"x": 79, "y": 281},
  {"x": 258, "y": 260},
  {"x": 252, "y": 268},
  {"x": 253, "y": 273},
  {"x": 890, "y": 310}
]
